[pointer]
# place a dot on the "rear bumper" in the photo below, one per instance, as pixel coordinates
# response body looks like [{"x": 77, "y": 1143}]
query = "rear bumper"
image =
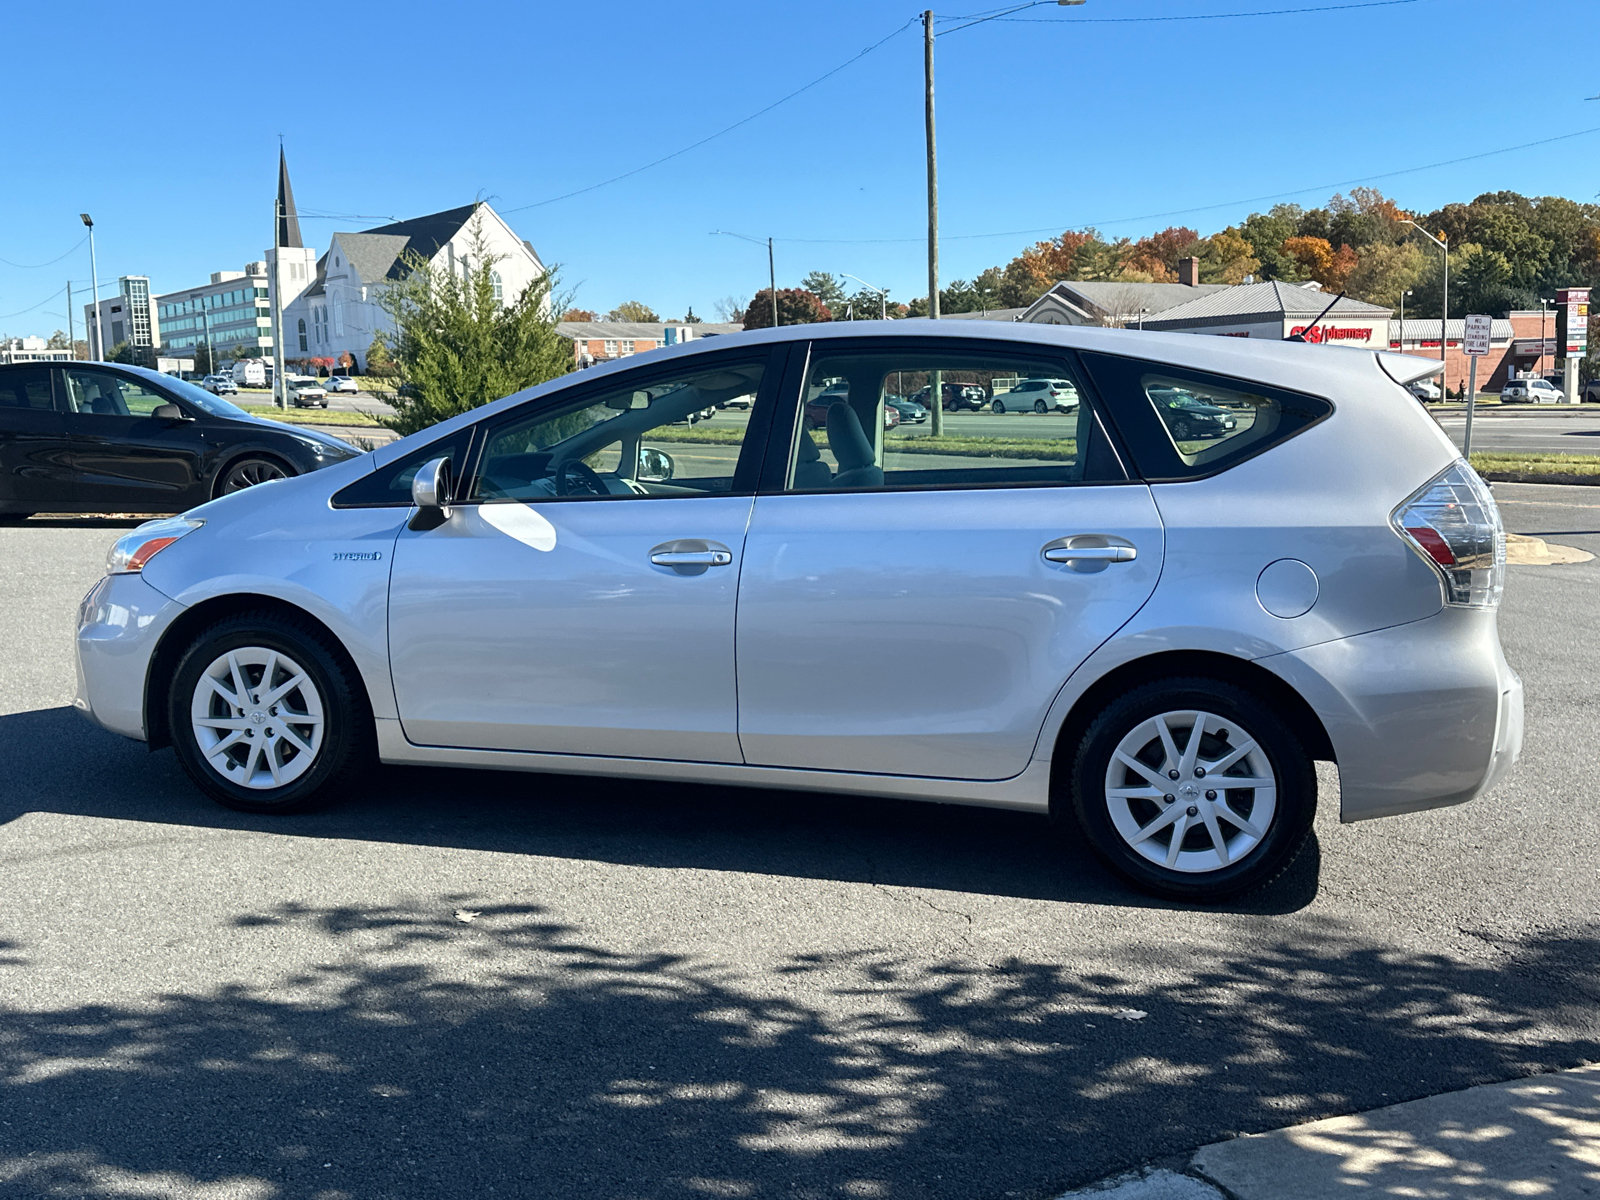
[
  {"x": 1423, "y": 715},
  {"x": 119, "y": 624}
]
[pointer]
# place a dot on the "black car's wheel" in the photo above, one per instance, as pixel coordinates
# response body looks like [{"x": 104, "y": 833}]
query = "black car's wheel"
[
  {"x": 1039, "y": 406},
  {"x": 267, "y": 716},
  {"x": 1181, "y": 431},
  {"x": 14, "y": 518},
  {"x": 248, "y": 472},
  {"x": 998, "y": 406},
  {"x": 1193, "y": 789}
]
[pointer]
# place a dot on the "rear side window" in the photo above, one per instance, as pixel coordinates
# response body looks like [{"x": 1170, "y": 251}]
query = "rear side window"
[
  {"x": 1183, "y": 424},
  {"x": 28, "y": 387}
]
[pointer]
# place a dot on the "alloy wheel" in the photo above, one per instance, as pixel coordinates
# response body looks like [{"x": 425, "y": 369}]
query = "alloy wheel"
[
  {"x": 257, "y": 718},
  {"x": 1190, "y": 791},
  {"x": 250, "y": 472}
]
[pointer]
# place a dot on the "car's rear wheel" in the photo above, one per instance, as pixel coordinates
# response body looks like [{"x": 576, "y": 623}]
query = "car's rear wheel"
[
  {"x": 1039, "y": 406},
  {"x": 267, "y": 717},
  {"x": 1194, "y": 789},
  {"x": 248, "y": 472}
]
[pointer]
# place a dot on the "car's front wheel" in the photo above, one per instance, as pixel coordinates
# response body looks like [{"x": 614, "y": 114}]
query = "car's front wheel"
[
  {"x": 248, "y": 472},
  {"x": 1194, "y": 789},
  {"x": 266, "y": 716},
  {"x": 998, "y": 406}
]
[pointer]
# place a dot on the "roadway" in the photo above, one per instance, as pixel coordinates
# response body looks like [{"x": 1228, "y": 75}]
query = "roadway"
[{"x": 470, "y": 984}]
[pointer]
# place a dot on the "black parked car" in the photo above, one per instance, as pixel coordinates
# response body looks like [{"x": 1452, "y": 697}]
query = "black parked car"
[
  {"x": 1191, "y": 419},
  {"x": 101, "y": 437}
]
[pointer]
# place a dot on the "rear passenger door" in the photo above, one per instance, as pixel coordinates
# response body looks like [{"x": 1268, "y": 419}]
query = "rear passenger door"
[
  {"x": 35, "y": 461},
  {"x": 911, "y": 604}
]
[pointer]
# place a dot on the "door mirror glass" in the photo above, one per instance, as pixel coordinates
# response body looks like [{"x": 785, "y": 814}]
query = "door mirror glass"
[
  {"x": 169, "y": 412},
  {"x": 655, "y": 465}
]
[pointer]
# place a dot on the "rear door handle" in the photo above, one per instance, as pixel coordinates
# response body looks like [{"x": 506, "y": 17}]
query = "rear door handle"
[
  {"x": 691, "y": 558},
  {"x": 1089, "y": 552}
]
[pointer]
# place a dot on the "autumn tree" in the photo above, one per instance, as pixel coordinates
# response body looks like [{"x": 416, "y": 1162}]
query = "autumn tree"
[
  {"x": 580, "y": 314},
  {"x": 796, "y": 306},
  {"x": 1385, "y": 271},
  {"x": 1320, "y": 261},
  {"x": 1226, "y": 257},
  {"x": 632, "y": 310}
]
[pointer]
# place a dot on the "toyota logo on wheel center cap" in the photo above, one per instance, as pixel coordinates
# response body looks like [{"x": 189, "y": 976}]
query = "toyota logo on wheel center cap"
[{"x": 258, "y": 717}]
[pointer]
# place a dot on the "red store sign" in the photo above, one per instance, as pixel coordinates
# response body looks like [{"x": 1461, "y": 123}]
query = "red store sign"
[{"x": 1324, "y": 333}]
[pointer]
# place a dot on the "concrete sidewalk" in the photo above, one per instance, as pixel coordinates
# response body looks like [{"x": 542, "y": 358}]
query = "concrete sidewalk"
[{"x": 1538, "y": 1136}]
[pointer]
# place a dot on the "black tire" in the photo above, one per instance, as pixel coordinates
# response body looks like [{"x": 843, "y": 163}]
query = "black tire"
[
  {"x": 1039, "y": 406},
  {"x": 347, "y": 750},
  {"x": 1289, "y": 823},
  {"x": 998, "y": 406},
  {"x": 247, "y": 472}
]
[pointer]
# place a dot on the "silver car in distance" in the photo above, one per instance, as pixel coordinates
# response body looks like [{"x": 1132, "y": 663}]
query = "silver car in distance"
[{"x": 1147, "y": 617}]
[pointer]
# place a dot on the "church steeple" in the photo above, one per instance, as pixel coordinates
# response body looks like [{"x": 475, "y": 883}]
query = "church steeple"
[{"x": 288, "y": 218}]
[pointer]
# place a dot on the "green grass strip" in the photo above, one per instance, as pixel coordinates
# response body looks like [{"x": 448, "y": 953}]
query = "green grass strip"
[
  {"x": 308, "y": 416},
  {"x": 1538, "y": 464}
]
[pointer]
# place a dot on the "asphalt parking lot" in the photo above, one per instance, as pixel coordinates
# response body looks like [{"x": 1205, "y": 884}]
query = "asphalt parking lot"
[{"x": 461, "y": 984}]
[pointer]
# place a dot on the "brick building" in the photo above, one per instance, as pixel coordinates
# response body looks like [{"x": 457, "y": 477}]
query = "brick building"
[{"x": 1515, "y": 343}]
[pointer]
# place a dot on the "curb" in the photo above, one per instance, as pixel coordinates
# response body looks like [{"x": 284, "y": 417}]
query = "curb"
[{"x": 1540, "y": 477}]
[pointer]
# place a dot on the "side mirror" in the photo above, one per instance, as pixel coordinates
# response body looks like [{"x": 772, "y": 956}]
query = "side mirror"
[
  {"x": 655, "y": 464},
  {"x": 430, "y": 488},
  {"x": 169, "y": 412}
]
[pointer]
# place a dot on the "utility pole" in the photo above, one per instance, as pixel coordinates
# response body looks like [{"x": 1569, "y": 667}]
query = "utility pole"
[
  {"x": 279, "y": 396},
  {"x": 97, "y": 347},
  {"x": 72, "y": 336},
  {"x": 935, "y": 378},
  {"x": 772, "y": 283}
]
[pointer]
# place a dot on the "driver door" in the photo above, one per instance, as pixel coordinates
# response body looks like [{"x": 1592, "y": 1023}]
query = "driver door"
[{"x": 580, "y": 598}]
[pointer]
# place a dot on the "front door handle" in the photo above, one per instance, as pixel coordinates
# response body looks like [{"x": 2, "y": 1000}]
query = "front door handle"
[
  {"x": 1089, "y": 552},
  {"x": 690, "y": 558}
]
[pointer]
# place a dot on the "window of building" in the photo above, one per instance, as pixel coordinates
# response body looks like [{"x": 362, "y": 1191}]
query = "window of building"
[
  {"x": 611, "y": 348},
  {"x": 302, "y": 335},
  {"x": 499, "y": 287},
  {"x": 627, "y": 346}
]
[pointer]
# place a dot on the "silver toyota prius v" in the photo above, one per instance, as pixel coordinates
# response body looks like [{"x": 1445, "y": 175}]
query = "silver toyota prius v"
[{"x": 1148, "y": 614}]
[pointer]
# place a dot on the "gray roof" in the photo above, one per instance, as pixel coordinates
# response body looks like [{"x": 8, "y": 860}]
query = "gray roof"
[
  {"x": 1112, "y": 296},
  {"x": 1273, "y": 300},
  {"x": 1427, "y": 328},
  {"x": 636, "y": 330}
]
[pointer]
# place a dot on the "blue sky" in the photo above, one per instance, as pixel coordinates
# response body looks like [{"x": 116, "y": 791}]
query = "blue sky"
[{"x": 167, "y": 130}]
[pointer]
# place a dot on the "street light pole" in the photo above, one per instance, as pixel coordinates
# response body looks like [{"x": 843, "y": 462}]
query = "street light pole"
[
  {"x": 98, "y": 347},
  {"x": 933, "y": 174},
  {"x": 772, "y": 283},
  {"x": 1444, "y": 319},
  {"x": 1544, "y": 310},
  {"x": 883, "y": 294},
  {"x": 1403, "y": 296}
]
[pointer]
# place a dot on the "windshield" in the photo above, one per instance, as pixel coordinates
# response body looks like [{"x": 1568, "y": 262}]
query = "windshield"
[{"x": 214, "y": 406}]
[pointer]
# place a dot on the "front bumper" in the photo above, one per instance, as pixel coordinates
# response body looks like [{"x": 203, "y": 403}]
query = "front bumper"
[
  {"x": 1422, "y": 715},
  {"x": 120, "y": 623}
]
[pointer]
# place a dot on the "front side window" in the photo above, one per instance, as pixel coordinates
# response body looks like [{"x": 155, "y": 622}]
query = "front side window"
[
  {"x": 100, "y": 393},
  {"x": 1182, "y": 424},
  {"x": 857, "y": 431},
  {"x": 679, "y": 434}
]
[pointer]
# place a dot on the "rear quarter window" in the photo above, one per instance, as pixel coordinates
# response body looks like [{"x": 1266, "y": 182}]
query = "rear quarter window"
[{"x": 1182, "y": 424}]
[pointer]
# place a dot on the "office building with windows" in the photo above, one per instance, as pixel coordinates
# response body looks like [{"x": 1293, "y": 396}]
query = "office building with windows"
[
  {"x": 127, "y": 317},
  {"x": 230, "y": 313}
]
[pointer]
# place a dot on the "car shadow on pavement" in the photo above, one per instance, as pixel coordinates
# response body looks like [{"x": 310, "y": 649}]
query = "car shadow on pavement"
[
  {"x": 430, "y": 1055},
  {"x": 62, "y": 764}
]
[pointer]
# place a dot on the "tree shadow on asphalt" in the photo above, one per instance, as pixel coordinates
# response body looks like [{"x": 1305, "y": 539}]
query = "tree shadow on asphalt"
[
  {"x": 430, "y": 1057},
  {"x": 61, "y": 764}
]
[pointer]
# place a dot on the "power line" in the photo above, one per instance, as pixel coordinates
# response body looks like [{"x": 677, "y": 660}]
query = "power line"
[
  {"x": 1271, "y": 12},
  {"x": 1178, "y": 212},
  {"x": 719, "y": 133},
  {"x": 51, "y": 263}
]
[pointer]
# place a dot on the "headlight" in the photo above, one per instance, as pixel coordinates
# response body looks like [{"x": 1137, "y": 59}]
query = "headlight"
[{"x": 131, "y": 551}]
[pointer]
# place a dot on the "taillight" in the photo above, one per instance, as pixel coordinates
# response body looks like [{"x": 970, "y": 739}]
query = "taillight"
[{"x": 1454, "y": 523}]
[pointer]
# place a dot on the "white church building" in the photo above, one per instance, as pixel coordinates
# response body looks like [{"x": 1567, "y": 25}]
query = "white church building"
[{"x": 337, "y": 310}]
